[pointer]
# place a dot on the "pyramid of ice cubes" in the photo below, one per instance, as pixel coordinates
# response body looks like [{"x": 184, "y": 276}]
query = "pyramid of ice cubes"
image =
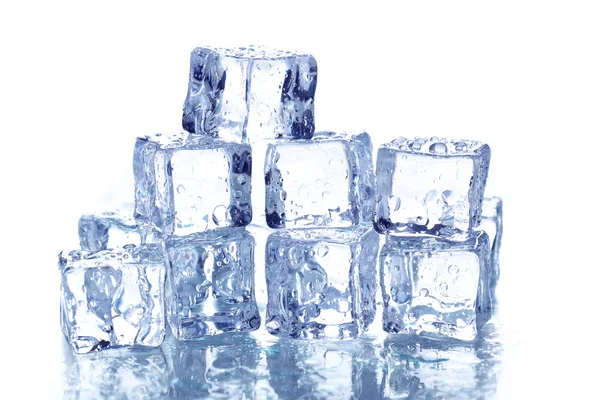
[{"x": 182, "y": 257}]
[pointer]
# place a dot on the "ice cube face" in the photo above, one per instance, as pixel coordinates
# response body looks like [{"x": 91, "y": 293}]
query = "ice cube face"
[
  {"x": 113, "y": 297},
  {"x": 325, "y": 182},
  {"x": 248, "y": 94},
  {"x": 431, "y": 186},
  {"x": 186, "y": 184},
  {"x": 104, "y": 230},
  {"x": 210, "y": 284},
  {"x": 321, "y": 283},
  {"x": 434, "y": 287},
  {"x": 491, "y": 223}
]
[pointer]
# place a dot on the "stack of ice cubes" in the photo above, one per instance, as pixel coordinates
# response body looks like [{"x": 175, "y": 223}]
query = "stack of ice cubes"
[{"x": 182, "y": 257}]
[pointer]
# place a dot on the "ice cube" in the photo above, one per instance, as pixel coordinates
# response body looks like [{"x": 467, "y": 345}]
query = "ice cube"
[
  {"x": 110, "y": 229},
  {"x": 432, "y": 186},
  {"x": 186, "y": 184},
  {"x": 434, "y": 287},
  {"x": 491, "y": 223},
  {"x": 246, "y": 94},
  {"x": 321, "y": 283},
  {"x": 113, "y": 297},
  {"x": 324, "y": 182},
  {"x": 210, "y": 284}
]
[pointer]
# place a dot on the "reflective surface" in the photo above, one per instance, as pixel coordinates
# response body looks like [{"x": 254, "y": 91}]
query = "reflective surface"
[{"x": 255, "y": 365}]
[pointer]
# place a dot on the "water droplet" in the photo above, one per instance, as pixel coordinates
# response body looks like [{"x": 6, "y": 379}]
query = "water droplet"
[
  {"x": 325, "y": 194},
  {"x": 322, "y": 250},
  {"x": 404, "y": 157},
  {"x": 219, "y": 215},
  {"x": 443, "y": 287},
  {"x": 396, "y": 202},
  {"x": 412, "y": 317},
  {"x": 438, "y": 148},
  {"x": 397, "y": 268},
  {"x": 181, "y": 189},
  {"x": 424, "y": 292},
  {"x": 453, "y": 269}
]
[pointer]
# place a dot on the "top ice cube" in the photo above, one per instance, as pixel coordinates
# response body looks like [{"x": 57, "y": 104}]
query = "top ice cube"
[
  {"x": 250, "y": 93},
  {"x": 430, "y": 186}
]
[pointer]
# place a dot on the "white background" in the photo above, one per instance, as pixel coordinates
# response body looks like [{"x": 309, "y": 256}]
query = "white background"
[{"x": 78, "y": 82}]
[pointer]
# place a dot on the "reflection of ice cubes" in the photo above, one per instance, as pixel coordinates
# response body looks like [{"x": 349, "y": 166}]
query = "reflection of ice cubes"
[
  {"x": 424, "y": 369},
  {"x": 210, "y": 284},
  {"x": 107, "y": 230},
  {"x": 222, "y": 367},
  {"x": 432, "y": 186},
  {"x": 247, "y": 94},
  {"x": 434, "y": 287},
  {"x": 322, "y": 370},
  {"x": 185, "y": 184},
  {"x": 327, "y": 181},
  {"x": 113, "y": 298},
  {"x": 123, "y": 373},
  {"x": 321, "y": 283},
  {"x": 491, "y": 223}
]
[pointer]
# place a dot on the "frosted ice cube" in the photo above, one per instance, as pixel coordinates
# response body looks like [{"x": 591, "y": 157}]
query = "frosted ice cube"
[
  {"x": 321, "y": 283},
  {"x": 324, "y": 182},
  {"x": 435, "y": 287},
  {"x": 210, "y": 284},
  {"x": 247, "y": 94},
  {"x": 113, "y": 297},
  {"x": 186, "y": 184},
  {"x": 432, "y": 186}
]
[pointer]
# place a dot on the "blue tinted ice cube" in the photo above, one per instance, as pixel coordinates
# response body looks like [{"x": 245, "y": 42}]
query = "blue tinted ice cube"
[
  {"x": 113, "y": 297},
  {"x": 491, "y": 223},
  {"x": 321, "y": 283},
  {"x": 110, "y": 229},
  {"x": 247, "y": 94},
  {"x": 435, "y": 287},
  {"x": 210, "y": 284},
  {"x": 186, "y": 184},
  {"x": 432, "y": 186},
  {"x": 324, "y": 182}
]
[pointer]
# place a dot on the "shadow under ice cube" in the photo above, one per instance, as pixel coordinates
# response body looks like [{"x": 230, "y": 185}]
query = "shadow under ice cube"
[
  {"x": 321, "y": 283},
  {"x": 248, "y": 94},
  {"x": 113, "y": 297},
  {"x": 435, "y": 287},
  {"x": 186, "y": 184},
  {"x": 210, "y": 284},
  {"x": 324, "y": 182},
  {"x": 431, "y": 186}
]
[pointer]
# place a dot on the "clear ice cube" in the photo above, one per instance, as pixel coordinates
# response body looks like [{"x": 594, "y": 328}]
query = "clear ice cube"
[
  {"x": 247, "y": 94},
  {"x": 431, "y": 186},
  {"x": 210, "y": 284},
  {"x": 110, "y": 229},
  {"x": 434, "y": 287},
  {"x": 491, "y": 223},
  {"x": 324, "y": 182},
  {"x": 321, "y": 283},
  {"x": 113, "y": 297},
  {"x": 185, "y": 184}
]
